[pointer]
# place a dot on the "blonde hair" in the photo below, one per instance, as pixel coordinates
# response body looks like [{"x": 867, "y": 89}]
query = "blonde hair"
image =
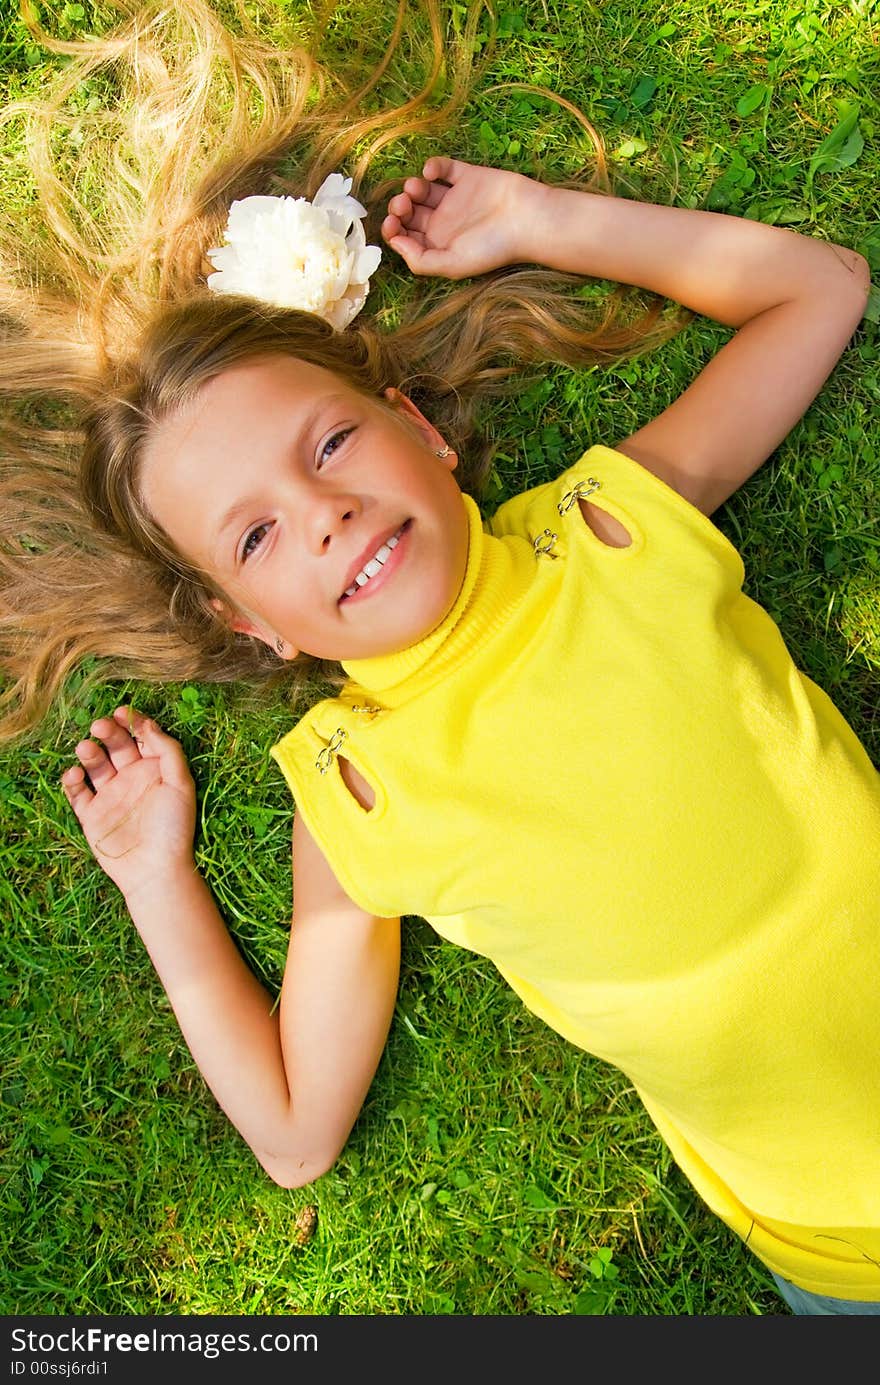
[{"x": 109, "y": 326}]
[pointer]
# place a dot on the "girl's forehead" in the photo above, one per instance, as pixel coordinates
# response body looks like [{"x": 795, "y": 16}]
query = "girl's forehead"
[
  {"x": 275, "y": 374},
  {"x": 254, "y": 394}
]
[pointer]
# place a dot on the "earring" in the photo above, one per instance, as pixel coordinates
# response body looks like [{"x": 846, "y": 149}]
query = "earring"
[
  {"x": 442, "y": 451},
  {"x": 279, "y": 645}
]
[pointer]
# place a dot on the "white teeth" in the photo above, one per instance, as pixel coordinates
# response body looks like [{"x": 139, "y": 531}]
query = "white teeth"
[{"x": 374, "y": 565}]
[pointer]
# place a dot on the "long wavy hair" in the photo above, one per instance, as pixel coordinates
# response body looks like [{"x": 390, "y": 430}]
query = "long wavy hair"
[{"x": 108, "y": 327}]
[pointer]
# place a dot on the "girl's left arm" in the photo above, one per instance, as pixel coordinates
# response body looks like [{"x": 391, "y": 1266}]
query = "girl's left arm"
[{"x": 793, "y": 300}]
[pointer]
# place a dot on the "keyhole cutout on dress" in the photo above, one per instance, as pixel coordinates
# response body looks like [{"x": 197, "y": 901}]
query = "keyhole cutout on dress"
[
  {"x": 607, "y": 529},
  {"x": 361, "y": 791}
]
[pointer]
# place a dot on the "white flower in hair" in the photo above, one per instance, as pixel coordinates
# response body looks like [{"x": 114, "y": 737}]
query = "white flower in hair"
[{"x": 299, "y": 254}]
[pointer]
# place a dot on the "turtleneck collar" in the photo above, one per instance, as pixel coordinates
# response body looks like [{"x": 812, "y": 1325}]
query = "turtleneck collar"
[{"x": 495, "y": 578}]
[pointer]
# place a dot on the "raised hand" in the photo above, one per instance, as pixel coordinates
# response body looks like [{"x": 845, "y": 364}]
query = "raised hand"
[
  {"x": 134, "y": 797},
  {"x": 460, "y": 219}
]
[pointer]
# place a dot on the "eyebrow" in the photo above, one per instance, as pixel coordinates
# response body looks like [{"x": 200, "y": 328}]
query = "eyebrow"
[{"x": 239, "y": 507}]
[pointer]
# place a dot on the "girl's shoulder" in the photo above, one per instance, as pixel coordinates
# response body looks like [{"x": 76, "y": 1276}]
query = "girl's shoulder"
[
  {"x": 641, "y": 507},
  {"x": 598, "y": 468},
  {"x": 298, "y": 752}
]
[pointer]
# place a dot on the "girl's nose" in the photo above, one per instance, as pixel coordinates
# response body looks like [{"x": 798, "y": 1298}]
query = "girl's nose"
[{"x": 327, "y": 515}]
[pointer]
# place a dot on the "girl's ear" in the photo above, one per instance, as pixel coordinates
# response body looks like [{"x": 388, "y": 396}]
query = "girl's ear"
[
  {"x": 408, "y": 410},
  {"x": 243, "y": 625}
]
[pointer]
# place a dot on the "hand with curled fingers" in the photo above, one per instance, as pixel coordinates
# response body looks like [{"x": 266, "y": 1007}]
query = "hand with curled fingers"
[
  {"x": 134, "y": 798},
  {"x": 461, "y": 219}
]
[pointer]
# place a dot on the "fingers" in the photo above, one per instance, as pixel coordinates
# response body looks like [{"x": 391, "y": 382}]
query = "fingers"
[
  {"x": 96, "y": 762},
  {"x": 76, "y": 789},
  {"x": 425, "y": 193},
  {"x": 418, "y": 221},
  {"x": 391, "y": 227},
  {"x": 118, "y": 738},
  {"x": 113, "y": 749},
  {"x": 419, "y": 259},
  {"x": 154, "y": 743},
  {"x": 412, "y": 207},
  {"x": 393, "y": 231},
  {"x": 441, "y": 169},
  {"x": 125, "y": 737},
  {"x": 405, "y": 228},
  {"x": 408, "y": 213}
]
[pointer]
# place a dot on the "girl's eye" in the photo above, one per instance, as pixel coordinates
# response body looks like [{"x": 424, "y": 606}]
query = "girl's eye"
[
  {"x": 253, "y": 540},
  {"x": 329, "y": 447}
]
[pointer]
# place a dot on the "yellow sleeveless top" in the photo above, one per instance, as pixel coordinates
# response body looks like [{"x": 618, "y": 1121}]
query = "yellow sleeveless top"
[{"x": 603, "y": 772}]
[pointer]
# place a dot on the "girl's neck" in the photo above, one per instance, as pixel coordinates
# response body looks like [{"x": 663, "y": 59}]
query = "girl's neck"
[{"x": 494, "y": 581}]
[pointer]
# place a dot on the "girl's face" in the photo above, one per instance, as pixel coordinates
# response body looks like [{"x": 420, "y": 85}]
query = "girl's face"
[{"x": 285, "y": 486}]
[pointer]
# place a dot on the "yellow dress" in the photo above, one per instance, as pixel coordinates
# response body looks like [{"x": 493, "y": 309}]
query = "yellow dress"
[{"x": 603, "y": 772}]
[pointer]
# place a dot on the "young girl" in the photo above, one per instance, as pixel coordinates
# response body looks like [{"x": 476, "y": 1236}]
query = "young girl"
[{"x": 564, "y": 736}]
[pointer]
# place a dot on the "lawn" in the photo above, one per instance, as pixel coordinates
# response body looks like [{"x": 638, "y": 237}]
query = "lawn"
[{"x": 495, "y": 1169}]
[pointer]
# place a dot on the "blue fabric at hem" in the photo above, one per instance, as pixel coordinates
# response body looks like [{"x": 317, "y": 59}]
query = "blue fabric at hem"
[{"x": 806, "y": 1304}]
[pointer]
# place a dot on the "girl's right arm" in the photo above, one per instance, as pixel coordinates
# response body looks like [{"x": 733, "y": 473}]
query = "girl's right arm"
[
  {"x": 292, "y": 1079},
  {"x": 794, "y": 300}
]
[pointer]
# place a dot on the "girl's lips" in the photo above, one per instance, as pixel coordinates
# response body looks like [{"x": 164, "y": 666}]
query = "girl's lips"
[{"x": 389, "y": 567}]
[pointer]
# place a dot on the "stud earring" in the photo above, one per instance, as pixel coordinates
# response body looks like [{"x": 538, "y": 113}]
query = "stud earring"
[
  {"x": 279, "y": 645},
  {"x": 442, "y": 451}
]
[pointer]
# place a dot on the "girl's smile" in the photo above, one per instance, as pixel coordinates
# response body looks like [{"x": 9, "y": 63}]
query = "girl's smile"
[
  {"x": 325, "y": 516},
  {"x": 377, "y": 569}
]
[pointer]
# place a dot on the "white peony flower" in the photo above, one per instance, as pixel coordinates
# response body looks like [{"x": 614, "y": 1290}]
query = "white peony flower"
[{"x": 299, "y": 254}]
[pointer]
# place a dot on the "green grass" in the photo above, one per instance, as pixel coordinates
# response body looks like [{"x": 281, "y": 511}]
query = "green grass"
[{"x": 494, "y": 1168}]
